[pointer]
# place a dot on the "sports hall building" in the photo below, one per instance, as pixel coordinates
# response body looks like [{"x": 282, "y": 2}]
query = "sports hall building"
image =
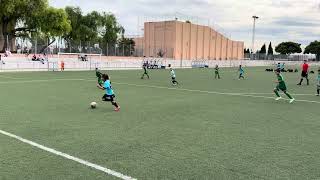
[{"x": 184, "y": 40}]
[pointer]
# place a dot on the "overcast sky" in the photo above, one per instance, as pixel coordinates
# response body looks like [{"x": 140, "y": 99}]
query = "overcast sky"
[{"x": 280, "y": 20}]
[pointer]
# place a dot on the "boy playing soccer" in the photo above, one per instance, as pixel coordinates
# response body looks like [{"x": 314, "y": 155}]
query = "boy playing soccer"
[
  {"x": 173, "y": 77},
  {"x": 241, "y": 71},
  {"x": 216, "y": 72},
  {"x": 144, "y": 66},
  {"x": 99, "y": 76},
  {"x": 109, "y": 94},
  {"x": 318, "y": 83},
  {"x": 281, "y": 86}
]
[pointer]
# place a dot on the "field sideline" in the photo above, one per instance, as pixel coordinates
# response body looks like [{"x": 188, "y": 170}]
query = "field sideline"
[{"x": 202, "y": 129}]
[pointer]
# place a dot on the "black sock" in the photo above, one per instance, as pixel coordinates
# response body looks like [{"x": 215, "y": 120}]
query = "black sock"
[
  {"x": 301, "y": 81},
  {"x": 115, "y": 104},
  {"x": 307, "y": 81},
  {"x": 318, "y": 91}
]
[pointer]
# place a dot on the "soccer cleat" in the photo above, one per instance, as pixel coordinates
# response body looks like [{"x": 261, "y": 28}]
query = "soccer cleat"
[
  {"x": 299, "y": 84},
  {"x": 291, "y": 100},
  {"x": 117, "y": 109},
  {"x": 317, "y": 95},
  {"x": 278, "y": 98}
]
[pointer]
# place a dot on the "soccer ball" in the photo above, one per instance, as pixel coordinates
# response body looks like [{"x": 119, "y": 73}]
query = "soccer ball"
[{"x": 93, "y": 105}]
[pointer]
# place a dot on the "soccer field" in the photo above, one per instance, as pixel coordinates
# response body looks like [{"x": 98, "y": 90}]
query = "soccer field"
[{"x": 202, "y": 129}]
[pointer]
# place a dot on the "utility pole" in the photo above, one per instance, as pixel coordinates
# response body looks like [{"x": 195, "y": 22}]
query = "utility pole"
[{"x": 254, "y": 31}]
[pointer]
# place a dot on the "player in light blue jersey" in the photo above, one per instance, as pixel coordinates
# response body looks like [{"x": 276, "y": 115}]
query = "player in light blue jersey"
[
  {"x": 241, "y": 72},
  {"x": 283, "y": 67},
  {"x": 109, "y": 93},
  {"x": 279, "y": 66},
  {"x": 318, "y": 83},
  {"x": 173, "y": 77}
]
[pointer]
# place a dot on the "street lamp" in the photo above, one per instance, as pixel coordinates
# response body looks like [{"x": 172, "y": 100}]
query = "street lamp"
[{"x": 254, "y": 31}]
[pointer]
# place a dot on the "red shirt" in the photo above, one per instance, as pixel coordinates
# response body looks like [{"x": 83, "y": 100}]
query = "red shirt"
[{"x": 305, "y": 67}]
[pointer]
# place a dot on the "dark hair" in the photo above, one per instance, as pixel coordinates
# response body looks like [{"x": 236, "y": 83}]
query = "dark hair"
[{"x": 105, "y": 77}]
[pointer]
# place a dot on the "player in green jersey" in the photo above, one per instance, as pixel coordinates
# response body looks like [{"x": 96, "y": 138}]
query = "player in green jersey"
[
  {"x": 99, "y": 76},
  {"x": 216, "y": 72},
  {"x": 144, "y": 66},
  {"x": 281, "y": 86}
]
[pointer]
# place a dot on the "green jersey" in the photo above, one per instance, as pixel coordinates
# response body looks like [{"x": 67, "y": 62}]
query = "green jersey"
[
  {"x": 98, "y": 74},
  {"x": 282, "y": 84},
  {"x": 145, "y": 69},
  {"x": 216, "y": 70}
]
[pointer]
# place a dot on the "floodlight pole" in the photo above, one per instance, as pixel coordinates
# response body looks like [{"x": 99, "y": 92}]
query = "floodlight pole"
[{"x": 253, "y": 32}]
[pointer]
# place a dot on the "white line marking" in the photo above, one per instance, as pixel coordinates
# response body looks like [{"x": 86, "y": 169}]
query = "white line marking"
[
  {"x": 67, "y": 156},
  {"x": 8, "y": 77},
  {"x": 273, "y": 94},
  {"x": 212, "y": 92},
  {"x": 254, "y": 95},
  {"x": 35, "y": 81}
]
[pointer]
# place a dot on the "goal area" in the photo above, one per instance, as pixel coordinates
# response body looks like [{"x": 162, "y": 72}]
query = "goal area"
[{"x": 79, "y": 56}]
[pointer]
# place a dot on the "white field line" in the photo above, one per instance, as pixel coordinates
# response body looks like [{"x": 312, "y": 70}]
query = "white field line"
[
  {"x": 253, "y": 95},
  {"x": 211, "y": 92},
  {"x": 8, "y": 77},
  {"x": 273, "y": 94},
  {"x": 69, "y": 157},
  {"x": 35, "y": 81}
]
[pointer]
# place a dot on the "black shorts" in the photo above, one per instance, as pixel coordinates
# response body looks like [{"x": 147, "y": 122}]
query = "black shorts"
[
  {"x": 108, "y": 97},
  {"x": 304, "y": 74},
  {"x": 173, "y": 78}
]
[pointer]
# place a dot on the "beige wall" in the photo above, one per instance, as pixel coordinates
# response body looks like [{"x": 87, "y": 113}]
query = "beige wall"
[
  {"x": 229, "y": 48},
  {"x": 206, "y": 43},
  {"x": 224, "y": 48},
  {"x": 200, "y": 31},
  {"x": 212, "y": 42},
  {"x": 182, "y": 40},
  {"x": 193, "y": 41},
  {"x": 218, "y": 46}
]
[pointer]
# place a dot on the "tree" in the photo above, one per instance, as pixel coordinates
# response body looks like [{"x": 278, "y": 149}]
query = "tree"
[
  {"x": 25, "y": 18},
  {"x": 52, "y": 23},
  {"x": 246, "y": 51},
  {"x": 85, "y": 28},
  {"x": 313, "y": 48},
  {"x": 75, "y": 18},
  {"x": 288, "y": 48},
  {"x": 263, "y": 49},
  {"x": 126, "y": 45},
  {"x": 13, "y": 12},
  {"x": 112, "y": 29},
  {"x": 94, "y": 27},
  {"x": 270, "y": 49}
]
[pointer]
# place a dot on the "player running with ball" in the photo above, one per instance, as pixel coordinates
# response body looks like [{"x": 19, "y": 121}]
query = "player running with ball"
[
  {"x": 281, "y": 86},
  {"x": 109, "y": 95}
]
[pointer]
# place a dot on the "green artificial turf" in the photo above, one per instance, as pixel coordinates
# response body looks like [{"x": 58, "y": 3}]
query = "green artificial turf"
[{"x": 201, "y": 129}]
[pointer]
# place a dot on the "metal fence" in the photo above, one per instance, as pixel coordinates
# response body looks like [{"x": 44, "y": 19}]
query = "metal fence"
[
  {"x": 53, "y": 64},
  {"x": 281, "y": 57}
]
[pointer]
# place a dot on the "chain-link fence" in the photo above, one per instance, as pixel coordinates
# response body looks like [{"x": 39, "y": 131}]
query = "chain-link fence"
[
  {"x": 282, "y": 57},
  {"x": 39, "y": 45}
]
